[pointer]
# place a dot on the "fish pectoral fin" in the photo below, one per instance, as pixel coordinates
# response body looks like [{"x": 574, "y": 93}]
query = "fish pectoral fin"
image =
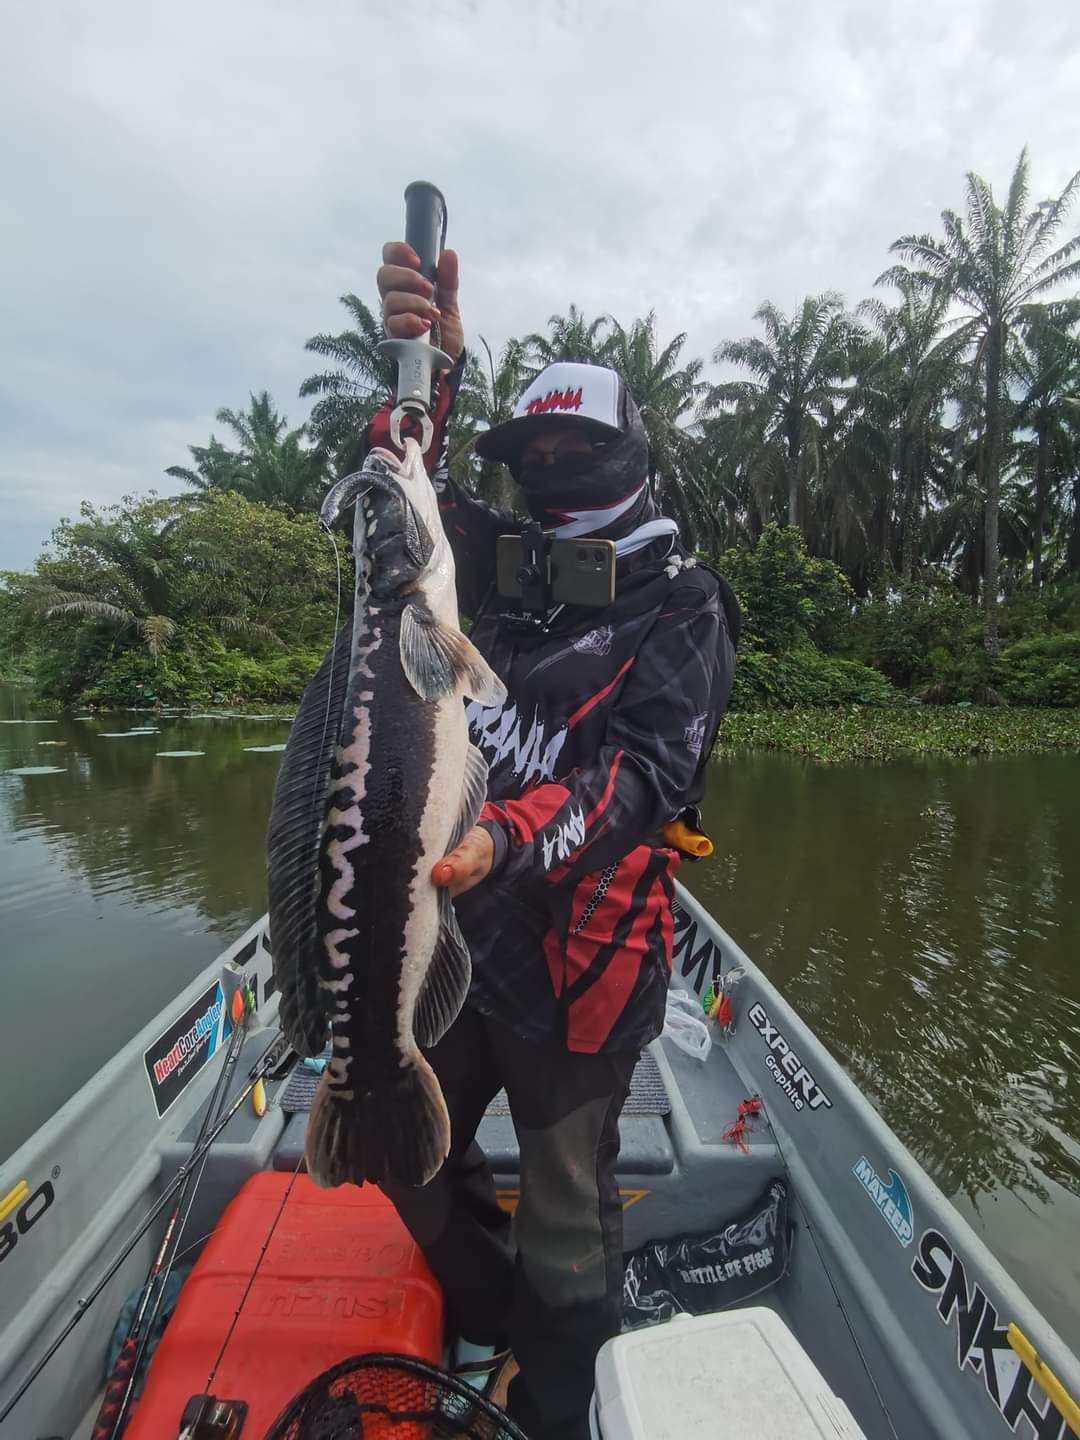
[
  {"x": 473, "y": 795},
  {"x": 446, "y": 983},
  {"x": 439, "y": 660}
]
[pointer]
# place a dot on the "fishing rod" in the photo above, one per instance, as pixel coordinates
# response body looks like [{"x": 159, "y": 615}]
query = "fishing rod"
[
  {"x": 120, "y": 1386},
  {"x": 266, "y": 1061},
  {"x": 425, "y": 232}
]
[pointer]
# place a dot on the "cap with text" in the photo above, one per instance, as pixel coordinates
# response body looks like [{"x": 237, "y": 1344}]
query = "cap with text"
[{"x": 568, "y": 392}]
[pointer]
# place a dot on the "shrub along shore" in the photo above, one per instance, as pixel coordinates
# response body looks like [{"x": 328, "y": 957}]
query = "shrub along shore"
[{"x": 870, "y": 733}]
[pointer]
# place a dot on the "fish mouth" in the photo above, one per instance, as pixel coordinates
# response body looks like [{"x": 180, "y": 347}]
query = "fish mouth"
[{"x": 380, "y": 471}]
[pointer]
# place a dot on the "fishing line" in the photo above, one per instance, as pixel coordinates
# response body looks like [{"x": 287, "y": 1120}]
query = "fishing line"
[
  {"x": 314, "y": 799},
  {"x": 337, "y": 618},
  {"x": 811, "y": 1231},
  {"x": 184, "y": 1206},
  {"x": 252, "y": 1277},
  {"x": 84, "y": 1303}
]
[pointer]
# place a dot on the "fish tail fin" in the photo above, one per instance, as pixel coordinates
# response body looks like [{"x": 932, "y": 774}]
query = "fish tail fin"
[
  {"x": 401, "y": 1133},
  {"x": 415, "y": 1125}
]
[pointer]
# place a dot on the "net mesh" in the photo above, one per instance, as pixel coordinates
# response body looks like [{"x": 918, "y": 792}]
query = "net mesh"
[{"x": 390, "y": 1397}]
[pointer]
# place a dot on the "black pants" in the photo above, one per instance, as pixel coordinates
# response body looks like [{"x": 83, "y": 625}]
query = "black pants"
[{"x": 559, "y": 1297}]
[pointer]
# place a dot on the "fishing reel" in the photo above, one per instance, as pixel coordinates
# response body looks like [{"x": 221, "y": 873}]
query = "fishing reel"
[{"x": 207, "y": 1418}]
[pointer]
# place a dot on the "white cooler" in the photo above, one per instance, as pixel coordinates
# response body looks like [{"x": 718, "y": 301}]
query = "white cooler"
[{"x": 741, "y": 1374}]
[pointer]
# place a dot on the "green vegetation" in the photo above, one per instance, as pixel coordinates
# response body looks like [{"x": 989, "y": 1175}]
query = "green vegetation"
[
  {"x": 171, "y": 602},
  {"x": 893, "y": 491},
  {"x": 858, "y": 733}
]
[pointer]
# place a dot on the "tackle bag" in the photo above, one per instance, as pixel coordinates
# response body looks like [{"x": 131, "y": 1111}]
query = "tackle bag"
[{"x": 699, "y": 1274}]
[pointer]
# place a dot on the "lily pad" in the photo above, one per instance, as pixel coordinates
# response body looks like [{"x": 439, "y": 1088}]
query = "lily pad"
[
  {"x": 175, "y": 754},
  {"x": 39, "y": 770},
  {"x": 263, "y": 749}
]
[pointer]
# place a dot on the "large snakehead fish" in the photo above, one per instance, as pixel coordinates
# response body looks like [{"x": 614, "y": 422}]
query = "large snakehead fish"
[{"x": 378, "y": 781}]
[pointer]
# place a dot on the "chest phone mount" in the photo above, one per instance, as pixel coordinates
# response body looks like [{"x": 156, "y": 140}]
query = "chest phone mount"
[{"x": 541, "y": 575}]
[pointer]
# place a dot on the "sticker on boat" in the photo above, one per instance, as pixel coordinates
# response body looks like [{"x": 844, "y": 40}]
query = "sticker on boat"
[
  {"x": 792, "y": 1077},
  {"x": 890, "y": 1197},
  {"x": 20, "y": 1210},
  {"x": 981, "y": 1341},
  {"x": 181, "y": 1051},
  {"x": 702, "y": 959}
]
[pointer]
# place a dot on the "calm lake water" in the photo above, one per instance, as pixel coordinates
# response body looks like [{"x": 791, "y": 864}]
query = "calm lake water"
[{"x": 923, "y": 917}]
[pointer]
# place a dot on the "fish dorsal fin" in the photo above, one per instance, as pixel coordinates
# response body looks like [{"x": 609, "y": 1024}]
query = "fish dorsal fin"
[
  {"x": 439, "y": 660},
  {"x": 473, "y": 795},
  {"x": 446, "y": 983},
  {"x": 296, "y": 822}
]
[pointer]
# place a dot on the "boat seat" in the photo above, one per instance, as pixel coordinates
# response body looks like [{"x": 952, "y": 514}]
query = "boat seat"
[
  {"x": 645, "y": 1145},
  {"x": 679, "y": 1161}
]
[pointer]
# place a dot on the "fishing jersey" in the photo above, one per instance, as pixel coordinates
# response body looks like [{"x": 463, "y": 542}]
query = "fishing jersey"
[{"x": 609, "y": 718}]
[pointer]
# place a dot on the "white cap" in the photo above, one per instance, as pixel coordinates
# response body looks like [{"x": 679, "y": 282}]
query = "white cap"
[{"x": 565, "y": 391}]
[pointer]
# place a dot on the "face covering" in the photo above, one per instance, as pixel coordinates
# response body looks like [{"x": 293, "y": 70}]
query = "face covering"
[{"x": 604, "y": 495}]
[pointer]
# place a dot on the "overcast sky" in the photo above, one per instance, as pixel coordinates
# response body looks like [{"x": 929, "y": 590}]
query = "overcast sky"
[{"x": 186, "y": 189}]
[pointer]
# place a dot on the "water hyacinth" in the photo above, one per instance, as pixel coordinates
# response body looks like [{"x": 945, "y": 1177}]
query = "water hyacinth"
[{"x": 864, "y": 733}]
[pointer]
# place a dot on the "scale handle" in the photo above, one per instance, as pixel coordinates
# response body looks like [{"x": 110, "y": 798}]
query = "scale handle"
[{"x": 425, "y": 224}]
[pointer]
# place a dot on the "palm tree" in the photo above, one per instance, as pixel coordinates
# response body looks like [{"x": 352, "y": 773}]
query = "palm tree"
[
  {"x": 665, "y": 393},
  {"x": 800, "y": 370},
  {"x": 486, "y": 398},
  {"x": 352, "y": 392},
  {"x": 569, "y": 337},
  {"x": 712, "y": 496},
  {"x": 134, "y": 572},
  {"x": 916, "y": 371},
  {"x": 995, "y": 266},
  {"x": 1047, "y": 367},
  {"x": 272, "y": 464},
  {"x": 849, "y": 513}
]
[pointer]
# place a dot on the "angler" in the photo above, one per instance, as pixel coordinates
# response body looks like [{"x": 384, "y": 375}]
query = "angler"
[{"x": 563, "y": 890}]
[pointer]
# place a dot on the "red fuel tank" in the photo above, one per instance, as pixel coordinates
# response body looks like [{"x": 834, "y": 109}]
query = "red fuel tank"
[{"x": 341, "y": 1276}]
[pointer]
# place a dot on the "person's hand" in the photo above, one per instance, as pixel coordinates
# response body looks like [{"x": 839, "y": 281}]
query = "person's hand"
[
  {"x": 411, "y": 305},
  {"x": 467, "y": 865}
]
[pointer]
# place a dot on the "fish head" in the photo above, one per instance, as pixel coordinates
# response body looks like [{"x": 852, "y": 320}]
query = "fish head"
[{"x": 400, "y": 543}]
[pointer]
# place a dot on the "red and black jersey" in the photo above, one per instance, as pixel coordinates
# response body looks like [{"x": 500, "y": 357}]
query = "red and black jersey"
[{"x": 609, "y": 718}]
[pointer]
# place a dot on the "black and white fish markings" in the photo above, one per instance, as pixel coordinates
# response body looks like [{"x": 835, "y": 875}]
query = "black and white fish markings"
[{"x": 364, "y": 807}]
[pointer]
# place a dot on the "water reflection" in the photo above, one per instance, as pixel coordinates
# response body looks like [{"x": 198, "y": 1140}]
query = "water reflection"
[
  {"x": 123, "y": 873},
  {"x": 925, "y": 919}
]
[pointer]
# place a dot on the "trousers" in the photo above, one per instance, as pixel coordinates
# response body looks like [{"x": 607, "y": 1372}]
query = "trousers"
[{"x": 551, "y": 1280}]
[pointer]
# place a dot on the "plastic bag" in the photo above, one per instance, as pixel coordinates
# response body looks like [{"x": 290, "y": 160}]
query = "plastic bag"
[
  {"x": 685, "y": 1026},
  {"x": 700, "y": 1274}
]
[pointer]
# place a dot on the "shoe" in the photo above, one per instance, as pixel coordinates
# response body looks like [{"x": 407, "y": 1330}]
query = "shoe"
[{"x": 491, "y": 1379}]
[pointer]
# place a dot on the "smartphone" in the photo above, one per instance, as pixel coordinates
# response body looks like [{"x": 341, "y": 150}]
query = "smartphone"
[{"x": 561, "y": 572}]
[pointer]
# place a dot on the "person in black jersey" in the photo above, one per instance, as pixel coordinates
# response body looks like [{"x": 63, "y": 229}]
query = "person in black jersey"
[{"x": 564, "y": 888}]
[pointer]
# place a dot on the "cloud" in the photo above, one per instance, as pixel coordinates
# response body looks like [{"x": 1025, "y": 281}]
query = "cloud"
[{"x": 189, "y": 188}]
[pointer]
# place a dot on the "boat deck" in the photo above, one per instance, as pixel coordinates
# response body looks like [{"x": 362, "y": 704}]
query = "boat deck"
[{"x": 886, "y": 1284}]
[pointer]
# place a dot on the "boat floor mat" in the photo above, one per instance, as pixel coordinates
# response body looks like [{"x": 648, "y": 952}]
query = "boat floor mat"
[
  {"x": 648, "y": 1095},
  {"x": 298, "y": 1094}
]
